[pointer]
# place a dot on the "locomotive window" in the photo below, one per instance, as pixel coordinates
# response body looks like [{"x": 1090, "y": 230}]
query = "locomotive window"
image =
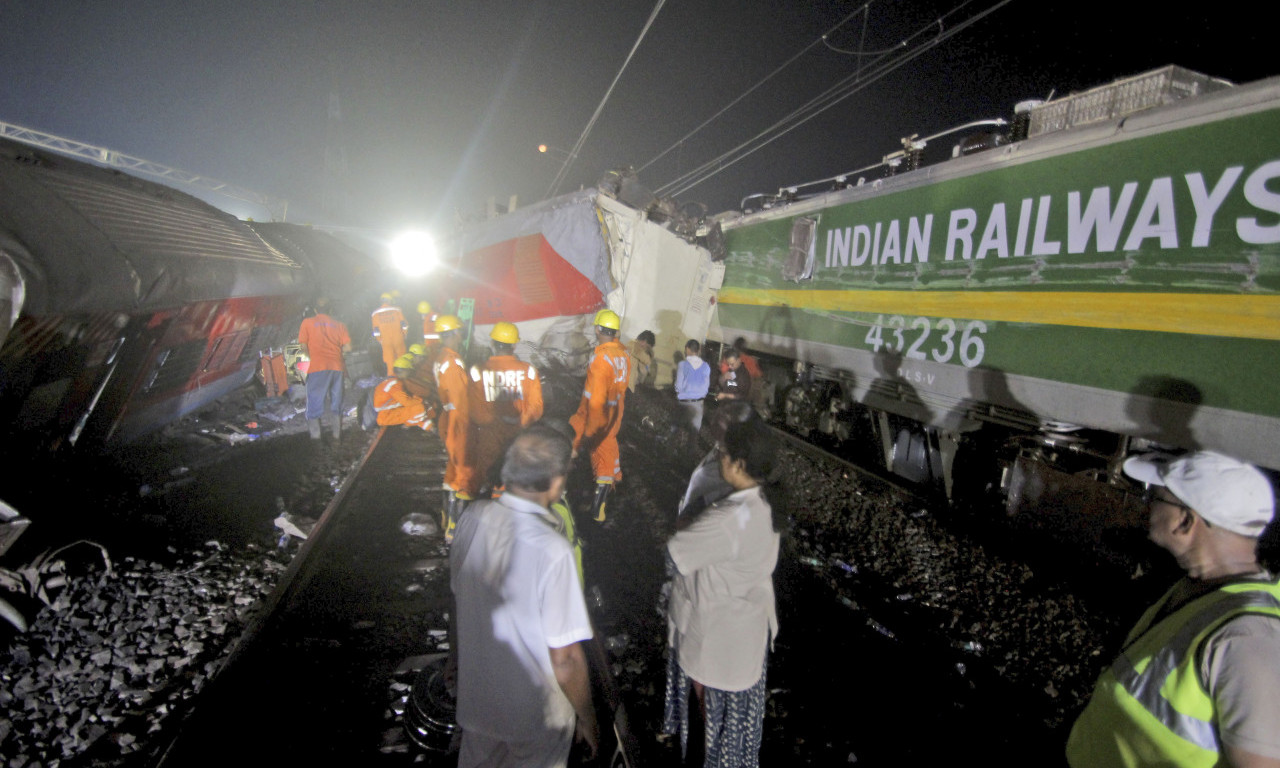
[{"x": 799, "y": 263}]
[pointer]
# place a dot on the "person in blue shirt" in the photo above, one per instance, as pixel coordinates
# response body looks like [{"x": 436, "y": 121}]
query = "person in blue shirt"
[{"x": 693, "y": 379}]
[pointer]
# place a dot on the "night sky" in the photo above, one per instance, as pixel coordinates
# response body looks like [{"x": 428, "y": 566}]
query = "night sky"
[{"x": 443, "y": 104}]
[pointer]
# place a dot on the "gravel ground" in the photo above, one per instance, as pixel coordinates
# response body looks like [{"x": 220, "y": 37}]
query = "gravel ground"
[{"x": 177, "y": 550}]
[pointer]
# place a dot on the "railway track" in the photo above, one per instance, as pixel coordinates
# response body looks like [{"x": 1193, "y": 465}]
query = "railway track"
[
  {"x": 324, "y": 673},
  {"x": 318, "y": 676}
]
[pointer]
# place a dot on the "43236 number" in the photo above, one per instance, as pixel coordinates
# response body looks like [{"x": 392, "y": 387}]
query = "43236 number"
[{"x": 912, "y": 336}]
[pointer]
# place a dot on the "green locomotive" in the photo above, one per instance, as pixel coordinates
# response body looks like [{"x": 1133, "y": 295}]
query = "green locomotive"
[{"x": 1104, "y": 279}]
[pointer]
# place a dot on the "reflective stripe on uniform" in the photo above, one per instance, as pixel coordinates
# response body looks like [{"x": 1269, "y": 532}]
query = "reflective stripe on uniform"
[
  {"x": 1145, "y": 686},
  {"x": 387, "y": 387}
]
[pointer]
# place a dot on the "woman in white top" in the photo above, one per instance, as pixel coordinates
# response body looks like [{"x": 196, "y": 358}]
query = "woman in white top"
[{"x": 722, "y": 618}]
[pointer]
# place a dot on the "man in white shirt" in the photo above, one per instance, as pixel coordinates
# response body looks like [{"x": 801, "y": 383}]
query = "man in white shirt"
[{"x": 520, "y": 618}]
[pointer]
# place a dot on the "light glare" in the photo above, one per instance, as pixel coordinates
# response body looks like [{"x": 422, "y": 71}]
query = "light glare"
[{"x": 413, "y": 253}]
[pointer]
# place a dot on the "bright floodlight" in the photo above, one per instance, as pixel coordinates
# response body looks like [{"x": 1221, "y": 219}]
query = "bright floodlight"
[{"x": 413, "y": 253}]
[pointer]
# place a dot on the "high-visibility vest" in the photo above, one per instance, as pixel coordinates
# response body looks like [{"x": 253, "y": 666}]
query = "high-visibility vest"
[{"x": 1150, "y": 707}]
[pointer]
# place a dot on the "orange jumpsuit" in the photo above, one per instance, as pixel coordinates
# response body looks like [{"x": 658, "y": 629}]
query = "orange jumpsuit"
[
  {"x": 595, "y": 425},
  {"x": 388, "y": 329},
  {"x": 455, "y": 421},
  {"x": 506, "y": 396},
  {"x": 396, "y": 406}
]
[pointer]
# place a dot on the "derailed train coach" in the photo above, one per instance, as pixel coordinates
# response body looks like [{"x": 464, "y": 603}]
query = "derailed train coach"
[
  {"x": 1102, "y": 280},
  {"x": 548, "y": 268},
  {"x": 127, "y": 304}
]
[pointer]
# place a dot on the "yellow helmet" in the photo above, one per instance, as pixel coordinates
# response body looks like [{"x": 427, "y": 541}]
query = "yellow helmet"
[
  {"x": 386, "y": 297},
  {"x": 417, "y": 349},
  {"x": 424, "y": 307},
  {"x": 446, "y": 323},
  {"x": 394, "y": 293},
  {"x": 403, "y": 361},
  {"x": 505, "y": 333},
  {"x": 607, "y": 318}
]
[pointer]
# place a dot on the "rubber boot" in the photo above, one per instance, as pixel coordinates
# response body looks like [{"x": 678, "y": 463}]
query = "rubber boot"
[
  {"x": 597, "y": 506},
  {"x": 313, "y": 426},
  {"x": 337, "y": 427}
]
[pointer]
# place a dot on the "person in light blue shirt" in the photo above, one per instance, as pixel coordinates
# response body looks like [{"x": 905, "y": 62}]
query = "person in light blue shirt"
[{"x": 693, "y": 379}]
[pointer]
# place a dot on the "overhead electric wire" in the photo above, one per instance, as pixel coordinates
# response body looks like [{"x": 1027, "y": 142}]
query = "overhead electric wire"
[
  {"x": 815, "y": 106},
  {"x": 573, "y": 153},
  {"x": 758, "y": 83}
]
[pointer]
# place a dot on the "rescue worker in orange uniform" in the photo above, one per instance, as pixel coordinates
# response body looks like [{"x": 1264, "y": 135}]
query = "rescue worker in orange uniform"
[
  {"x": 324, "y": 340},
  {"x": 430, "y": 339},
  {"x": 394, "y": 404},
  {"x": 453, "y": 389},
  {"x": 388, "y": 328},
  {"x": 421, "y": 381},
  {"x": 599, "y": 415},
  {"x": 506, "y": 397}
]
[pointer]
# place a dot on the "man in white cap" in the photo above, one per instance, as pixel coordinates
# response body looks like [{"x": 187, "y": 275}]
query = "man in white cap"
[{"x": 1198, "y": 680}]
